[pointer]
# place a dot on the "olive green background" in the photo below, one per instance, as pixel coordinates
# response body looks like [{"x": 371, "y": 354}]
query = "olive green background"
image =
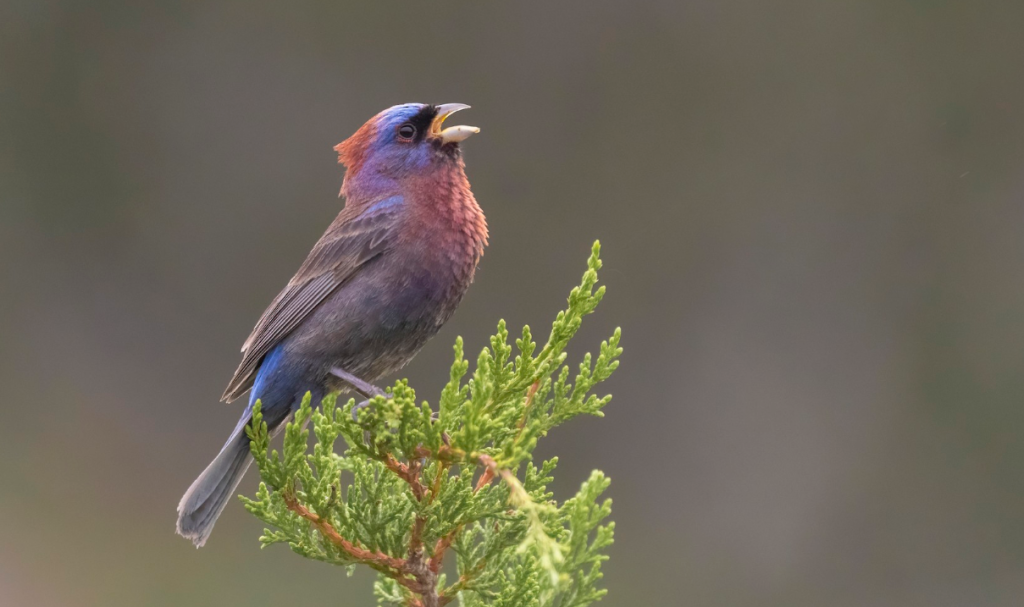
[{"x": 812, "y": 221}]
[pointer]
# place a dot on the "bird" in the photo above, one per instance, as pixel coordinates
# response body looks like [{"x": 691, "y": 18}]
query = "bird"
[{"x": 386, "y": 275}]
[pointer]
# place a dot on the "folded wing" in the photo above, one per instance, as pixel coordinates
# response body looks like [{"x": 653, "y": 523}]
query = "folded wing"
[{"x": 349, "y": 245}]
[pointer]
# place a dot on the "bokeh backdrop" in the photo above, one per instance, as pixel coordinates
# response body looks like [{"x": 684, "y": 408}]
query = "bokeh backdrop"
[{"x": 812, "y": 221}]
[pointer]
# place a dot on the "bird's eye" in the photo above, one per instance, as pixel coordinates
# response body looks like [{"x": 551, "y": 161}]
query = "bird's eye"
[{"x": 407, "y": 131}]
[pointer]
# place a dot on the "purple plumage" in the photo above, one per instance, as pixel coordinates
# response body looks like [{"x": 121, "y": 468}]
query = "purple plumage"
[{"x": 388, "y": 273}]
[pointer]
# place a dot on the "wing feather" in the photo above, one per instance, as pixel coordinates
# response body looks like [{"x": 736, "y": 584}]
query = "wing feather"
[{"x": 347, "y": 246}]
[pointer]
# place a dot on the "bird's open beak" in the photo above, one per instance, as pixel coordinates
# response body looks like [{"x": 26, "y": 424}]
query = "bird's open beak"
[{"x": 452, "y": 134}]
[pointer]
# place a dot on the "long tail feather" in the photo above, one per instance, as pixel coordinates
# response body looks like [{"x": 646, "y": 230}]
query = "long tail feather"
[{"x": 209, "y": 494}]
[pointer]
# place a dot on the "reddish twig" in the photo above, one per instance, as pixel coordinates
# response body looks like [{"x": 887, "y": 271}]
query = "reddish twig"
[
  {"x": 445, "y": 542},
  {"x": 492, "y": 467},
  {"x": 332, "y": 535},
  {"x": 416, "y": 539},
  {"x": 441, "y": 547},
  {"x": 529, "y": 402},
  {"x": 408, "y": 572},
  {"x": 491, "y": 470},
  {"x": 485, "y": 479},
  {"x": 410, "y": 473},
  {"x": 446, "y": 454}
]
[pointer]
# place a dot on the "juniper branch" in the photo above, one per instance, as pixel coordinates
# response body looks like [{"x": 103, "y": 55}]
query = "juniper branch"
[{"x": 401, "y": 495}]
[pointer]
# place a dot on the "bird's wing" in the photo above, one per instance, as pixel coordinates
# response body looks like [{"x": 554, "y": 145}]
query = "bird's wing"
[{"x": 348, "y": 245}]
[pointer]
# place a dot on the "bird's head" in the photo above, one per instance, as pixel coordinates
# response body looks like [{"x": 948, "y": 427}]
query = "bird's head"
[{"x": 402, "y": 142}]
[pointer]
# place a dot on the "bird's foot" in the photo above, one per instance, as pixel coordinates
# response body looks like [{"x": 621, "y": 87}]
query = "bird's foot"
[
  {"x": 355, "y": 410},
  {"x": 365, "y": 388}
]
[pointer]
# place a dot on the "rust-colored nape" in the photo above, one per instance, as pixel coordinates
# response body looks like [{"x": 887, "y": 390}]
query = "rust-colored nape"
[{"x": 352, "y": 151}]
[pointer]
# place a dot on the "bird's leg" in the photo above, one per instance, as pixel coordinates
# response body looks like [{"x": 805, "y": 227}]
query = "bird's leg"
[
  {"x": 365, "y": 388},
  {"x": 369, "y": 390}
]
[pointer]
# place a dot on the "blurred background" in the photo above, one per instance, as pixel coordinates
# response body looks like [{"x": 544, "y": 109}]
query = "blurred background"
[{"x": 812, "y": 223}]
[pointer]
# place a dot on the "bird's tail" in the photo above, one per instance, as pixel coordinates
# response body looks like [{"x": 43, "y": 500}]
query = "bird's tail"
[{"x": 209, "y": 494}]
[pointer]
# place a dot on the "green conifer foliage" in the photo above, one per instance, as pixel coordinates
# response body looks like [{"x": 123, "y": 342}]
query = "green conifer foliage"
[{"x": 415, "y": 487}]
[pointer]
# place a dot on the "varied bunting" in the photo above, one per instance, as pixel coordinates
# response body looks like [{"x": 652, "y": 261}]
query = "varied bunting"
[{"x": 389, "y": 271}]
